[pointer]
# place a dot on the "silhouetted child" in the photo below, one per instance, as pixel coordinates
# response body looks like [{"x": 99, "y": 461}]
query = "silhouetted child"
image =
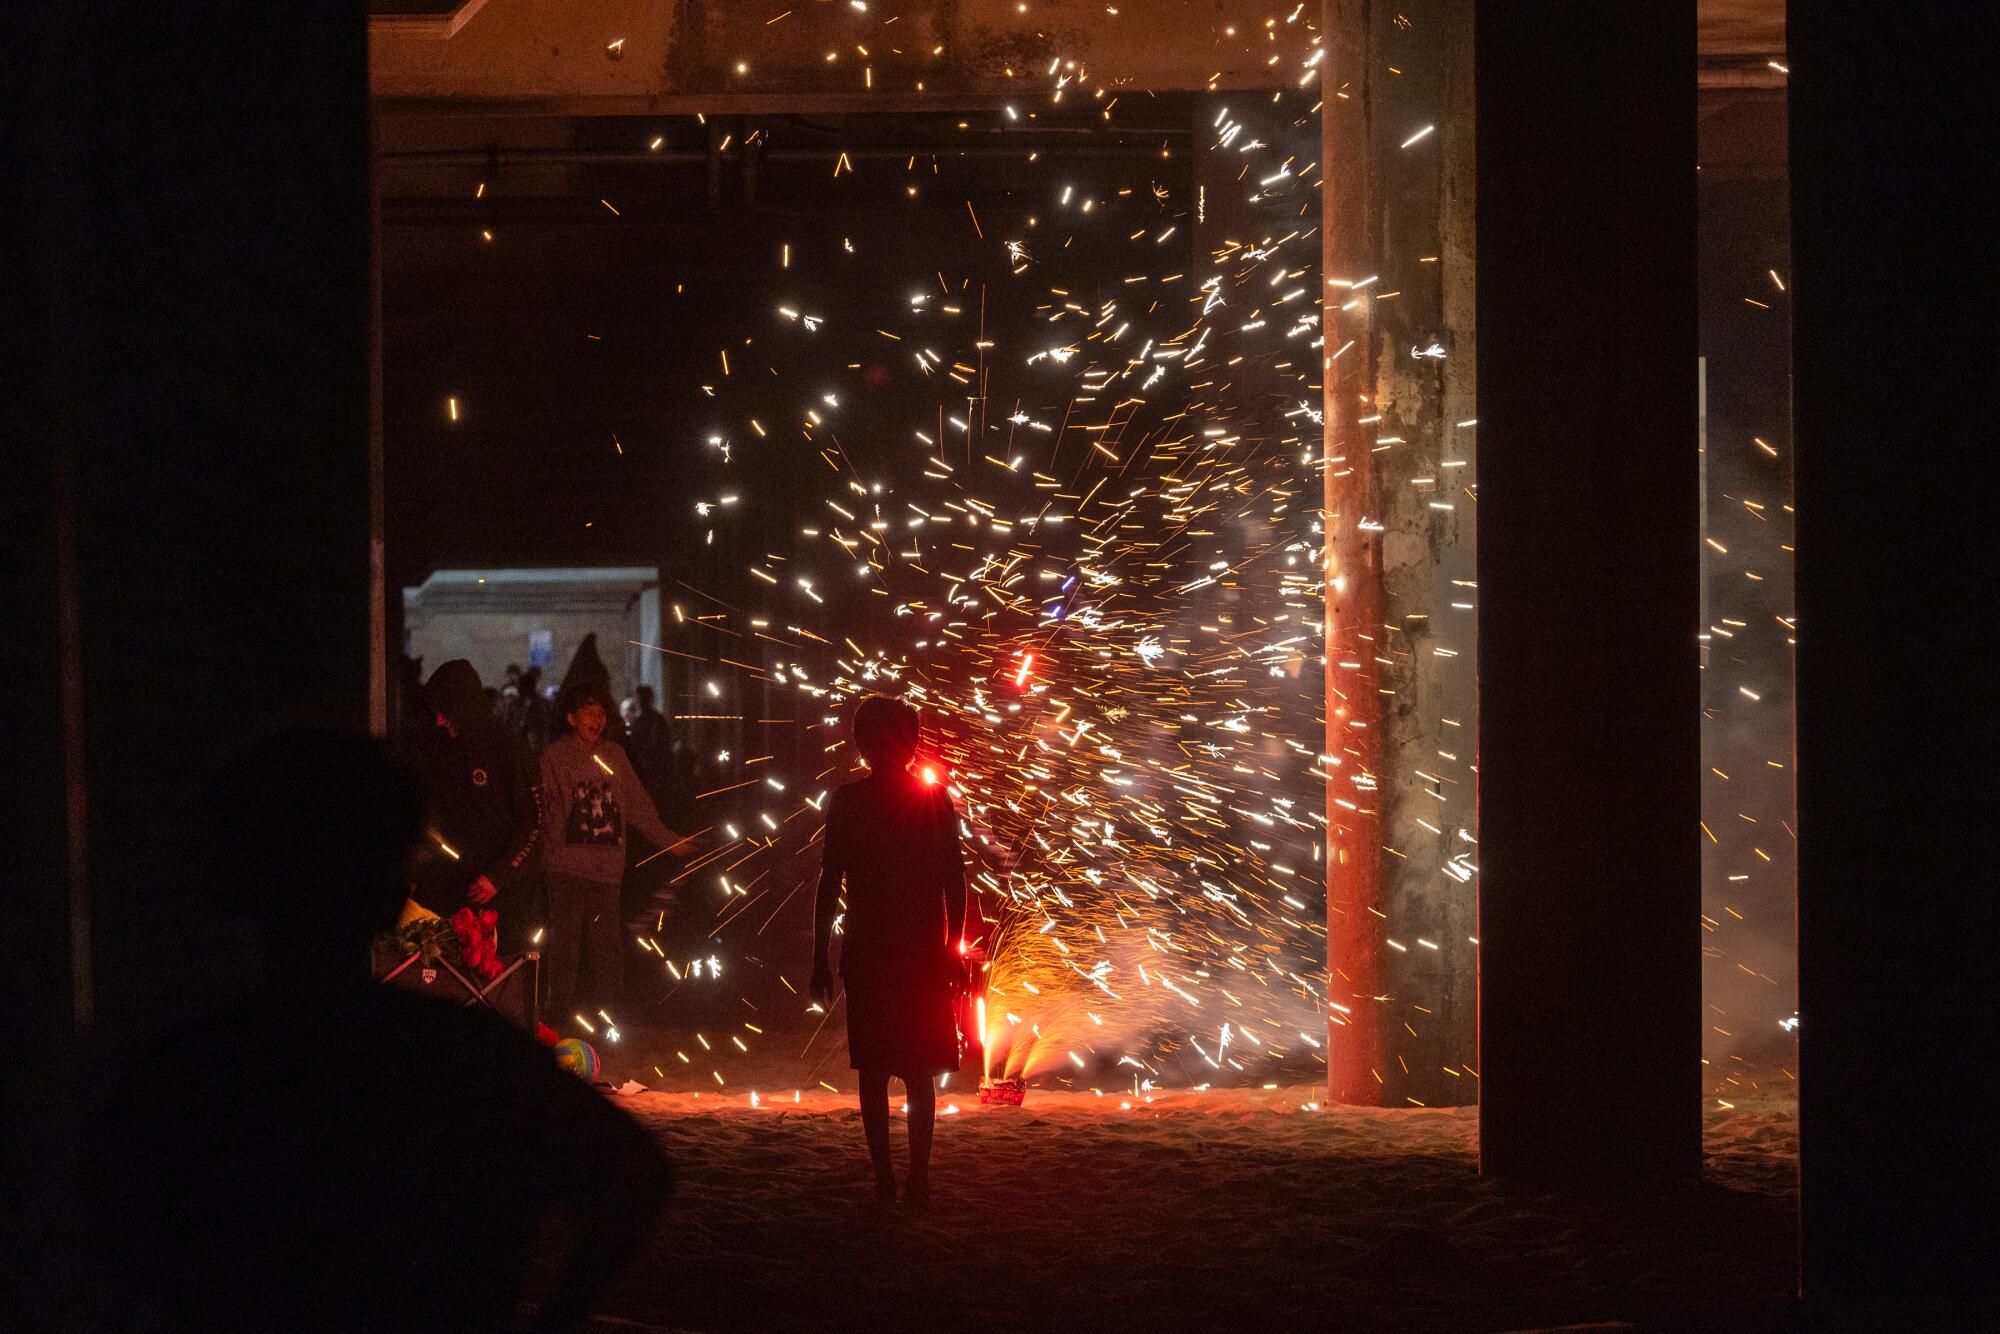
[
  {"x": 892, "y": 838},
  {"x": 331, "y": 1154}
]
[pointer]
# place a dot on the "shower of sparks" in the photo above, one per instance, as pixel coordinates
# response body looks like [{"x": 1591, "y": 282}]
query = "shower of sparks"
[
  {"x": 1095, "y": 567},
  {"x": 1749, "y": 868},
  {"x": 1095, "y": 563}
]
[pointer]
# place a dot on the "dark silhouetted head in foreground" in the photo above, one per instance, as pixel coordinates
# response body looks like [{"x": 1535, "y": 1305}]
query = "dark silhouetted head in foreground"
[
  {"x": 308, "y": 833},
  {"x": 331, "y": 1154},
  {"x": 886, "y": 733}
]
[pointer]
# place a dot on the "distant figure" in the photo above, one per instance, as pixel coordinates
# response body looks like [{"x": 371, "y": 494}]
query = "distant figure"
[
  {"x": 648, "y": 893},
  {"x": 482, "y": 808},
  {"x": 586, "y": 666},
  {"x": 671, "y": 771},
  {"x": 647, "y": 742},
  {"x": 892, "y": 837},
  {"x": 591, "y": 793},
  {"x": 330, "y": 1154},
  {"x": 684, "y": 784},
  {"x": 531, "y": 718},
  {"x": 587, "y": 671},
  {"x": 507, "y": 704}
]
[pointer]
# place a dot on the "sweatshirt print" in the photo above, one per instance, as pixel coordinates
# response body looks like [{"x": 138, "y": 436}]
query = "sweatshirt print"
[{"x": 589, "y": 797}]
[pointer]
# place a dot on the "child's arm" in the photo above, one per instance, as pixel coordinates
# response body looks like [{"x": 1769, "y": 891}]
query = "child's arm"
[
  {"x": 955, "y": 894},
  {"x": 825, "y": 905},
  {"x": 516, "y": 863},
  {"x": 554, "y": 806},
  {"x": 638, "y": 803},
  {"x": 955, "y": 897}
]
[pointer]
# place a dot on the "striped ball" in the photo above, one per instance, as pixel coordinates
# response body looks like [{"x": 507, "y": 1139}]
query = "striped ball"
[{"x": 579, "y": 1058}]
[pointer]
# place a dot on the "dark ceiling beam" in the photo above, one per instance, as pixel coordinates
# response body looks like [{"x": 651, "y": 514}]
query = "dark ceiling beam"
[
  {"x": 1746, "y": 69},
  {"x": 1731, "y": 70},
  {"x": 709, "y": 104},
  {"x": 432, "y": 20},
  {"x": 573, "y": 157}
]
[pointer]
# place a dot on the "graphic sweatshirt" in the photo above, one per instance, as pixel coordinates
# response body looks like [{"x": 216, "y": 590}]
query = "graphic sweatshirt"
[{"x": 588, "y": 798}]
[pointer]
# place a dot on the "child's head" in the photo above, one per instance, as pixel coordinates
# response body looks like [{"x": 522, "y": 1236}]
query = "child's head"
[
  {"x": 885, "y": 732},
  {"x": 584, "y": 709}
]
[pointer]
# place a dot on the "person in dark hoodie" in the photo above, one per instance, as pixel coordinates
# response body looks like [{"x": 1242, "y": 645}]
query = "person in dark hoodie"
[{"x": 482, "y": 807}]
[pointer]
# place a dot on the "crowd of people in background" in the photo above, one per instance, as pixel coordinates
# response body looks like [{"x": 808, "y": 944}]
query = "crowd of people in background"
[
  {"x": 532, "y": 798},
  {"x": 665, "y": 764}
]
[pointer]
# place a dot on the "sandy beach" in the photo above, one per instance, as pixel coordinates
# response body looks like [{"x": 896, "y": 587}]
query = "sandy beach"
[{"x": 1218, "y": 1209}]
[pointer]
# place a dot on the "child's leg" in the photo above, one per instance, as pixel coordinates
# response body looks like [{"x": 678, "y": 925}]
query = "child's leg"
[
  {"x": 604, "y": 929},
  {"x": 560, "y": 946},
  {"x": 875, "y": 1125},
  {"x": 922, "y": 1097}
]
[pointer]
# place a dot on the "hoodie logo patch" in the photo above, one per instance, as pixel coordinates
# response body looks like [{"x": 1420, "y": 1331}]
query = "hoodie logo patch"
[{"x": 479, "y": 778}]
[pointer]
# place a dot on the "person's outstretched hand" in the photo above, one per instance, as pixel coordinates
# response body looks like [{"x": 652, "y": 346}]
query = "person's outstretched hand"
[
  {"x": 822, "y": 983},
  {"x": 482, "y": 891}
]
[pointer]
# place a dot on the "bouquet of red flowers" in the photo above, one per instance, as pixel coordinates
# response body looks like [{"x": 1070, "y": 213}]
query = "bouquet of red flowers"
[{"x": 478, "y": 940}]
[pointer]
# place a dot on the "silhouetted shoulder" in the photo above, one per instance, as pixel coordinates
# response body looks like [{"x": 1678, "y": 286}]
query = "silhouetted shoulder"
[
  {"x": 938, "y": 803},
  {"x": 414, "y": 1128}
]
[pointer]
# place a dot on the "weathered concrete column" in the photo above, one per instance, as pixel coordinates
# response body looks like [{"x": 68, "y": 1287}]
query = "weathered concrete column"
[
  {"x": 1400, "y": 693},
  {"x": 1590, "y": 986}
]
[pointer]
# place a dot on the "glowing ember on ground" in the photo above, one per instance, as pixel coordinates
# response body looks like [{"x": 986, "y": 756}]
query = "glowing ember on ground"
[{"x": 1010, "y": 1092}]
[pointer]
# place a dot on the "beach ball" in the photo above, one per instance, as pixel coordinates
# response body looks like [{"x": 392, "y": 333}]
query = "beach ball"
[{"x": 579, "y": 1058}]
